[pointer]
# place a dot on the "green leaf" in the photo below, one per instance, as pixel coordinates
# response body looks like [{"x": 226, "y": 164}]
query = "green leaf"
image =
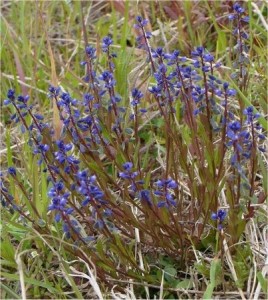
[
  {"x": 170, "y": 273},
  {"x": 9, "y": 291},
  {"x": 263, "y": 172},
  {"x": 184, "y": 284},
  {"x": 31, "y": 281},
  {"x": 35, "y": 186},
  {"x": 44, "y": 197},
  {"x": 8, "y": 263},
  {"x": 129, "y": 131},
  {"x": 214, "y": 271},
  {"x": 263, "y": 283},
  {"x": 7, "y": 250}
]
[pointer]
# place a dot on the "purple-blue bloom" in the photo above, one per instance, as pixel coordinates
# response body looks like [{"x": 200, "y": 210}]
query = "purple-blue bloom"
[
  {"x": 231, "y": 92},
  {"x": 11, "y": 94},
  {"x": 238, "y": 9},
  {"x": 12, "y": 171},
  {"x": 144, "y": 195},
  {"x": 54, "y": 91},
  {"x": 198, "y": 51},
  {"x": 136, "y": 95},
  {"x": 106, "y": 43},
  {"x": 127, "y": 166},
  {"x": 220, "y": 215},
  {"x": 234, "y": 126},
  {"x": 128, "y": 174},
  {"x": 141, "y": 22},
  {"x": 90, "y": 51},
  {"x": 208, "y": 57}
]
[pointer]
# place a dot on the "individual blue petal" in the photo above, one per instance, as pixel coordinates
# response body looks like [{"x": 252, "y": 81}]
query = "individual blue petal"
[
  {"x": 39, "y": 117},
  {"x": 161, "y": 204},
  {"x": 214, "y": 216},
  {"x": 245, "y": 19},
  {"x": 57, "y": 217},
  {"x": 231, "y": 92},
  {"x": 6, "y": 102}
]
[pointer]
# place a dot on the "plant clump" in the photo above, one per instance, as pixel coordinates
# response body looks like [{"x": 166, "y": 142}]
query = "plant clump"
[{"x": 157, "y": 174}]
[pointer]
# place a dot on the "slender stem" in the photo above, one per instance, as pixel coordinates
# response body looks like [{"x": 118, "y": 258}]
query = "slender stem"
[
  {"x": 207, "y": 100},
  {"x": 253, "y": 159}
]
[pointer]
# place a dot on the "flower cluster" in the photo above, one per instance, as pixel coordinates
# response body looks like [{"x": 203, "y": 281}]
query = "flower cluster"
[
  {"x": 219, "y": 216},
  {"x": 243, "y": 139},
  {"x": 163, "y": 192},
  {"x": 137, "y": 96},
  {"x": 59, "y": 200},
  {"x": 88, "y": 188},
  {"x": 128, "y": 173},
  {"x": 239, "y": 18},
  {"x": 142, "y": 39}
]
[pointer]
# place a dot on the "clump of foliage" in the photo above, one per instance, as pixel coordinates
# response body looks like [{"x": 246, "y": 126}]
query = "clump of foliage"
[{"x": 139, "y": 184}]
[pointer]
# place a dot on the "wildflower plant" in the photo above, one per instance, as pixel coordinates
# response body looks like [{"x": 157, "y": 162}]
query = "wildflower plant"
[{"x": 108, "y": 181}]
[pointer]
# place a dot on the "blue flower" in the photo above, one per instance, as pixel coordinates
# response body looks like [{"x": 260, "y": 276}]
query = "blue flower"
[
  {"x": 208, "y": 57},
  {"x": 23, "y": 99},
  {"x": 235, "y": 126},
  {"x": 141, "y": 22},
  {"x": 137, "y": 95},
  {"x": 127, "y": 166},
  {"x": 144, "y": 35},
  {"x": 108, "y": 78},
  {"x": 11, "y": 94},
  {"x": 231, "y": 92},
  {"x": 88, "y": 98},
  {"x": 84, "y": 123},
  {"x": 198, "y": 52},
  {"x": 88, "y": 188},
  {"x": 41, "y": 148},
  {"x": 63, "y": 147},
  {"x": 6, "y": 102},
  {"x": 170, "y": 183},
  {"x": 220, "y": 215},
  {"x": 144, "y": 195},
  {"x": 225, "y": 85},
  {"x": 158, "y": 53},
  {"x": 249, "y": 112},
  {"x": 238, "y": 9},
  {"x": 12, "y": 171},
  {"x": 128, "y": 174},
  {"x": 106, "y": 43},
  {"x": 39, "y": 117},
  {"x": 163, "y": 192},
  {"x": 54, "y": 91},
  {"x": 90, "y": 51},
  {"x": 245, "y": 19},
  {"x": 156, "y": 90}
]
